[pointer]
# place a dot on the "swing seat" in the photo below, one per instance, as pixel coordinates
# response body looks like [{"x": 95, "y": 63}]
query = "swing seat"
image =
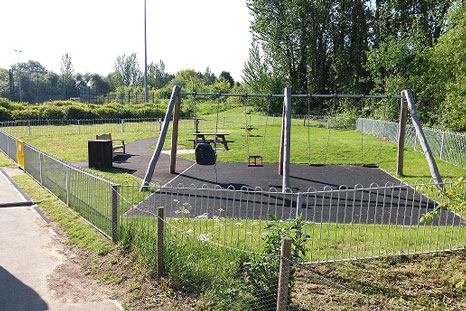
[
  {"x": 205, "y": 154},
  {"x": 253, "y": 161}
]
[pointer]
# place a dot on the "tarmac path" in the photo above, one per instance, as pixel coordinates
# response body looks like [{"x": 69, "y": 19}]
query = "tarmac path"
[{"x": 37, "y": 270}]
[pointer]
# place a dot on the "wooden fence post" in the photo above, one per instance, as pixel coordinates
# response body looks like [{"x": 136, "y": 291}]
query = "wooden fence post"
[
  {"x": 160, "y": 224},
  {"x": 287, "y": 140},
  {"x": 401, "y": 135},
  {"x": 176, "y": 117},
  {"x": 284, "y": 276}
]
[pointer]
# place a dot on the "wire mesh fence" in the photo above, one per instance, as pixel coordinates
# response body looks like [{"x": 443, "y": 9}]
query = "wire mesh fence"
[
  {"x": 447, "y": 146},
  {"x": 86, "y": 193}
]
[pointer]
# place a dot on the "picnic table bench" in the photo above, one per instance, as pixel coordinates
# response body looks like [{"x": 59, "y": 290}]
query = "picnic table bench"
[
  {"x": 109, "y": 137},
  {"x": 218, "y": 138}
]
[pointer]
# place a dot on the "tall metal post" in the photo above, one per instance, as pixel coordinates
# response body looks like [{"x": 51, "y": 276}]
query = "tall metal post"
[
  {"x": 19, "y": 76},
  {"x": 146, "y": 94}
]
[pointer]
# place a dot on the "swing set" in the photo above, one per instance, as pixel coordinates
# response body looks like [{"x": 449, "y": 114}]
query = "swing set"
[{"x": 206, "y": 154}]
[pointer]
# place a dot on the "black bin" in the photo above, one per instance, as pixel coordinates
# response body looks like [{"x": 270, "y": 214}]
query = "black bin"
[{"x": 100, "y": 153}]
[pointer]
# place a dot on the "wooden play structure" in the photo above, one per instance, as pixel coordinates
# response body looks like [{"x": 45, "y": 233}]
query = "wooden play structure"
[{"x": 407, "y": 106}]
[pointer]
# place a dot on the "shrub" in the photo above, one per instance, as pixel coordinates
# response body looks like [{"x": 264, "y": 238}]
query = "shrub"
[
  {"x": 52, "y": 113},
  {"x": 77, "y": 112},
  {"x": 106, "y": 112},
  {"x": 5, "y": 114},
  {"x": 26, "y": 114},
  {"x": 4, "y": 102}
]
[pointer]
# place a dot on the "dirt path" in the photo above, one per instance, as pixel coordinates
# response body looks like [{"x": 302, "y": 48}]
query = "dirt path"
[{"x": 38, "y": 271}]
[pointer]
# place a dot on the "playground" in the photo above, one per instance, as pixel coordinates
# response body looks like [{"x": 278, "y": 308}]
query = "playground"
[{"x": 348, "y": 183}]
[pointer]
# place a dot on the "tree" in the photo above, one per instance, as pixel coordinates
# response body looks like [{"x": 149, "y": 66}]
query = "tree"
[
  {"x": 128, "y": 68},
  {"x": 66, "y": 70},
  {"x": 315, "y": 46},
  {"x": 99, "y": 84},
  {"x": 157, "y": 76},
  {"x": 448, "y": 71},
  {"x": 209, "y": 77},
  {"x": 4, "y": 83},
  {"x": 227, "y": 76}
]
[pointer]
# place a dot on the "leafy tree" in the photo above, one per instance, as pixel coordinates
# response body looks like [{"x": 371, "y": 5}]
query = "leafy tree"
[
  {"x": 100, "y": 84},
  {"x": 209, "y": 77},
  {"x": 66, "y": 70},
  {"x": 4, "y": 83},
  {"x": 448, "y": 71},
  {"x": 227, "y": 76},
  {"x": 128, "y": 68},
  {"x": 157, "y": 76}
]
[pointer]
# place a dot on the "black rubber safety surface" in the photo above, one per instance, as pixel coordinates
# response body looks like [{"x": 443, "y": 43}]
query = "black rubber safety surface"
[
  {"x": 322, "y": 201},
  {"x": 302, "y": 177},
  {"x": 328, "y": 192}
]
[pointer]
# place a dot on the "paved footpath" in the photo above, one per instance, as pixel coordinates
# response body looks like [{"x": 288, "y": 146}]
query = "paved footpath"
[{"x": 37, "y": 271}]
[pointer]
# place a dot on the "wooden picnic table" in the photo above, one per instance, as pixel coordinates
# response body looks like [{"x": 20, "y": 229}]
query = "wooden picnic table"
[{"x": 216, "y": 138}]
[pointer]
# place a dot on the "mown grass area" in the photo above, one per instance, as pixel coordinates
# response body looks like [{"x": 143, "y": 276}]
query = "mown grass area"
[
  {"x": 434, "y": 282},
  {"x": 219, "y": 274},
  {"x": 307, "y": 144},
  {"x": 327, "y": 241}
]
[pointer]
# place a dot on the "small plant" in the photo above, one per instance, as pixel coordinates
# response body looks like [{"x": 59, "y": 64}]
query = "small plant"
[
  {"x": 262, "y": 271},
  {"x": 453, "y": 199}
]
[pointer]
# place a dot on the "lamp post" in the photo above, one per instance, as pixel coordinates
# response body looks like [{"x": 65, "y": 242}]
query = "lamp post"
[
  {"x": 146, "y": 95},
  {"x": 19, "y": 76}
]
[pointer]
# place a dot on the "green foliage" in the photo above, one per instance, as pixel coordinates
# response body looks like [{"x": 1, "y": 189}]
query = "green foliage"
[
  {"x": 69, "y": 110},
  {"x": 5, "y": 114},
  {"x": 262, "y": 272},
  {"x": 453, "y": 199}
]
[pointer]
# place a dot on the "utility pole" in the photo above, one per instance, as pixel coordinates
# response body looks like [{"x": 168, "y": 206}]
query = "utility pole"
[
  {"x": 146, "y": 95},
  {"x": 19, "y": 76}
]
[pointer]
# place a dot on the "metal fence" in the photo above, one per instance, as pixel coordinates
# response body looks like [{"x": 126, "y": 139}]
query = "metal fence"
[
  {"x": 215, "y": 239},
  {"x": 343, "y": 223},
  {"x": 21, "y": 128},
  {"x": 447, "y": 146},
  {"x": 86, "y": 193}
]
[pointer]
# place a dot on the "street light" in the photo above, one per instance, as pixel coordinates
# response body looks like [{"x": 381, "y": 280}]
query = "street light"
[
  {"x": 146, "y": 95},
  {"x": 19, "y": 76}
]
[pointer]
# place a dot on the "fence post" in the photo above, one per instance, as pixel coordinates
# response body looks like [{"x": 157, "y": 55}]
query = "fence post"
[
  {"x": 40, "y": 168},
  {"x": 67, "y": 183},
  {"x": 114, "y": 213},
  {"x": 29, "y": 127},
  {"x": 284, "y": 275},
  {"x": 441, "y": 145},
  {"x": 122, "y": 125},
  {"x": 79, "y": 126},
  {"x": 160, "y": 224},
  {"x": 160, "y": 124},
  {"x": 299, "y": 203}
]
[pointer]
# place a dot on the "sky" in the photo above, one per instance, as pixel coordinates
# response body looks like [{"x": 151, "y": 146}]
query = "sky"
[{"x": 184, "y": 34}]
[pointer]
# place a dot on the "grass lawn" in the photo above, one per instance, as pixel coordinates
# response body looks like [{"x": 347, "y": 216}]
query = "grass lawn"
[
  {"x": 327, "y": 242},
  {"x": 344, "y": 146}
]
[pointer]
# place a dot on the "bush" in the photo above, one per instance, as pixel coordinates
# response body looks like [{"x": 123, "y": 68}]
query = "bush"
[
  {"x": 53, "y": 113},
  {"x": 4, "y": 102},
  {"x": 26, "y": 114},
  {"x": 5, "y": 114},
  {"x": 76, "y": 113},
  {"x": 106, "y": 112}
]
